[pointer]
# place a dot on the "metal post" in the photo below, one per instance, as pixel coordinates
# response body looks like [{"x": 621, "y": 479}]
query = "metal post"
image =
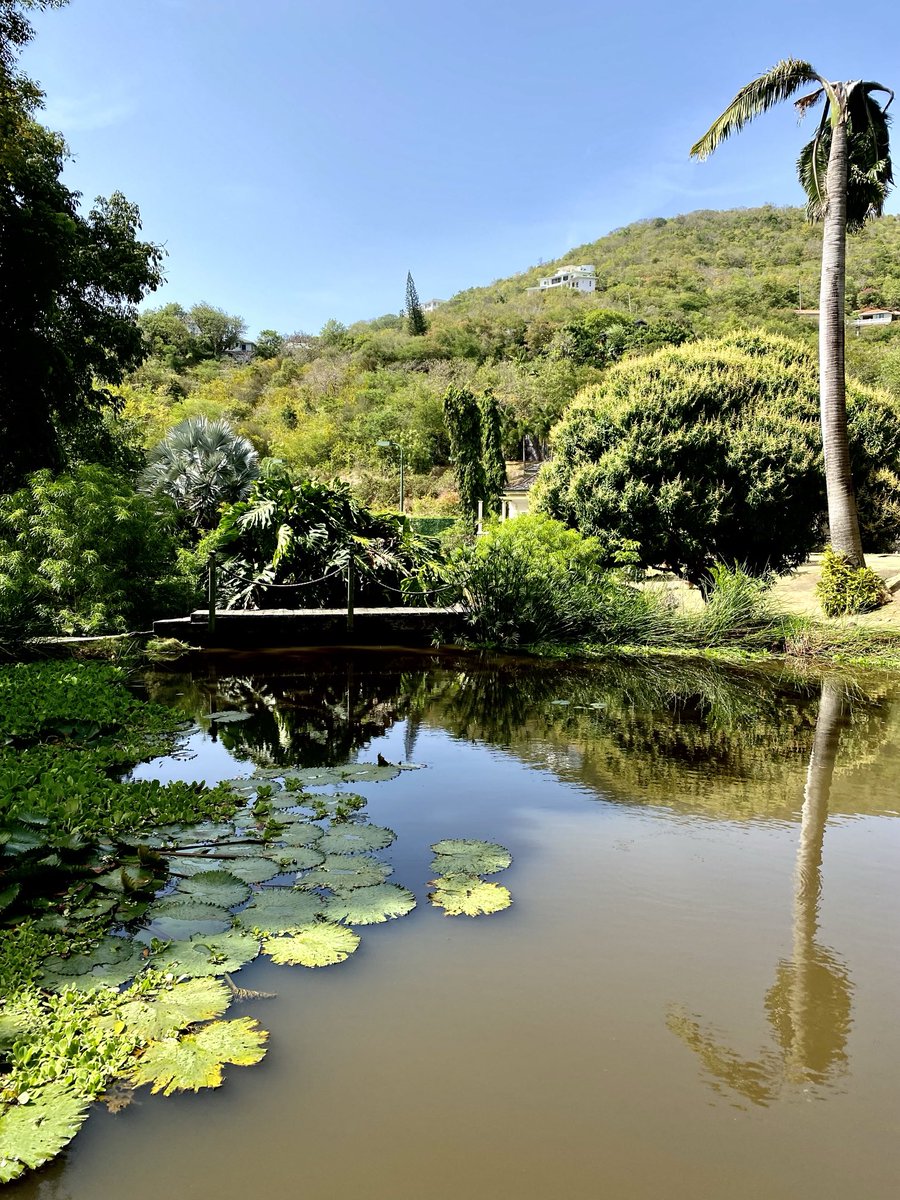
[
  {"x": 212, "y": 591},
  {"x": 351, "y": 584},
  {"x": 400, "y": 448}
]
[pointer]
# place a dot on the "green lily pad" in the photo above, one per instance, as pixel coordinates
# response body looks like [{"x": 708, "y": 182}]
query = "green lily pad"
[
  {"x": 215, "y": 887},
  {"x": 192, "y": 864},
  {"x": 174, "y": 1008},
  {"x": 299, "y": 858},
  {"x": 320, "y": 945},
  {"x": 33, "y": 1133},
  {"x": 254, "y": 870},
  {"x": 300, "y": 832},
  {"x": 108, "y": 950},
  {"x": 466, "y": 856},
  {"x": 227, "y": 716},
  {"x": 196, "y": 1060},
  {"x": 188, "y": 835},
  {"x": 203, "y": 955},
  {"x": 175, "y": 929},
  {"x": 370, "y": 905},
  {"x": 287, "y": 799},
  {"x": 327, "y": 806},
  {"x": 468, "y": 896},
  {"x": 187, "y": 908},
  {"x": 342, "y": 871},
  {"x": 280, "y": 910},
  {"x": 356, "y": 839}
]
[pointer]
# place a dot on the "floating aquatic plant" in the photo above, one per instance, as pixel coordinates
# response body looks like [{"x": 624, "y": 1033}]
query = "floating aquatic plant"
[
  {"x": 280, "y": 910},
  {"x": 174, "y": 1008},
  {"x": 465, "y": 856},
  {"x": 196, "y": 1060},
  {"x": 33, "y": 1132},
  {"x": 216, "y": 887},
  {"x": 356, "y": 839},
  {"x": 468, "y": 896},
  {"x": 319, "y": 945},
  {"x": 370, "y": 905},
  {"x": 202, "y": 954},
  {"x": 343, "y": 871}
]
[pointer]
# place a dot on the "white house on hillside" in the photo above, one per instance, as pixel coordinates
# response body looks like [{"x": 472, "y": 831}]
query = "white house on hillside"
[
  {"x": 876, "y": 316},
  {"x": 581, "y": 279},
  {"x": 431, "y": 305}
]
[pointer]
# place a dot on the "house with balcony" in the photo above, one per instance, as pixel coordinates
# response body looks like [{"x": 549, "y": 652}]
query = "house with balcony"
[
  {"x": 578, "y": 278},
  {"x": 875, "y": 316}
]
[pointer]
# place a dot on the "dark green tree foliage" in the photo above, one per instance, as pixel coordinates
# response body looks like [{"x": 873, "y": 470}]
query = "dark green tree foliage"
[
  {"x": 296, "y": 531},
  {"x": 84, "y": 553},
  {"x": 415, "y": 318},
  {"x": 69, "y": 283},
  {"x": 215, "y": 330},
  {"x": 492, "y": 460},
  {"x": 712, "y": 452},
  {"x": 201, "y": 465},
  {"x": 463, "y": 418}
]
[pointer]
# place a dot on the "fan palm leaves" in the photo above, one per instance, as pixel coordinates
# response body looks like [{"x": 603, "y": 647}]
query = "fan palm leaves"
[
  {"x": 201, "y": 465},
  {"x": 846, "y": 173}
]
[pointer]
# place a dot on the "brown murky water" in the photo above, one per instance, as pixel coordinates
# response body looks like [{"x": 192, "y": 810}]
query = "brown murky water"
[{"x": 695, "y": 993}]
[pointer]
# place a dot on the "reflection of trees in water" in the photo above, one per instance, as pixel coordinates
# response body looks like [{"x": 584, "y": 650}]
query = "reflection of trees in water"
[{"x": 809, "y": 1005}]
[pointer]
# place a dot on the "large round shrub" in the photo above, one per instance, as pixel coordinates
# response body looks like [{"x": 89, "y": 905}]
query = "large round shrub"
[{"x": 712, "y": 452}]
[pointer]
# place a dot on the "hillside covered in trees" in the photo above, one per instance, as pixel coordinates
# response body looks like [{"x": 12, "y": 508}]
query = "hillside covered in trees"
[{"x": 322, "y": 402}]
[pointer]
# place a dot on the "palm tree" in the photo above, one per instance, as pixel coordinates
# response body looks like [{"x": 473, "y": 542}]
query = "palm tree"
[
  {"x": 201, "y": 464},
  {"x": 846, "y": 173}
]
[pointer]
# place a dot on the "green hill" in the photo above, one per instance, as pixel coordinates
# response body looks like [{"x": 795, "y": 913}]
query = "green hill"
[{"x": 326, "y": 400}]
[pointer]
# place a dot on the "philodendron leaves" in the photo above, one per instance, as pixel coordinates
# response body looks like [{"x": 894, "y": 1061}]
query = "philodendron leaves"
[
  {"x": 465, "y": 856},
  {"x": 320, "y": 945},
  {"x": 33, "y": 1133},
  {"x": 468, "y": 896},
  {"x": 196, "y": 1060},
  {"x": 370, "y": 905}
]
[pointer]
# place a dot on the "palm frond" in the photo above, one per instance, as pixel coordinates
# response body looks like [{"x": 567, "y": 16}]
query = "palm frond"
[{"x": 757, "y": 97}]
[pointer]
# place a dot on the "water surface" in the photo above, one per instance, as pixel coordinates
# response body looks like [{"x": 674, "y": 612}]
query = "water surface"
[{"x": 694, "y": 994}]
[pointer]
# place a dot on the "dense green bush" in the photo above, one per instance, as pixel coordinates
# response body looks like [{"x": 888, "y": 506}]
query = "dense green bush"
[
  {"x": 530, "y": 580},
  {"x": 712, "y": 452},
  {"x": 84, "y": 553},
  {"x": 844, "y": 589}
]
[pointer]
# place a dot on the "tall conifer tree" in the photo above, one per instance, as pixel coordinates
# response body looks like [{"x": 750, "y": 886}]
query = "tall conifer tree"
[
  {"x": 492, "y": 461},
  {"x": 415, "y": 318}
]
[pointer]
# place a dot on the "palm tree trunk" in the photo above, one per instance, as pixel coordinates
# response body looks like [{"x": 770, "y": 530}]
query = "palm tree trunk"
[{"x": 843, "y": 519}]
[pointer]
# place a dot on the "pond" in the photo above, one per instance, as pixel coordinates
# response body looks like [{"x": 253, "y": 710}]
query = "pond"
[{"x": 693, "y": 994}]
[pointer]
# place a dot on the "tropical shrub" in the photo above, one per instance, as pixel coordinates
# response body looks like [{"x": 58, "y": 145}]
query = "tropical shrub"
[
  {"x": 84, "y": 553},
  {"x": 844, "y": 589},
  {"x": 201, "y": 465},
  {"x": 289, "y": 543},
  {"x": 712, "y": 452},
  {"x": 531, "y": 579}
]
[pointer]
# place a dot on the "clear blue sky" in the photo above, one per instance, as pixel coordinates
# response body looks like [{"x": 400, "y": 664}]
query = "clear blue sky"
[{"x": 297, "y": 157}]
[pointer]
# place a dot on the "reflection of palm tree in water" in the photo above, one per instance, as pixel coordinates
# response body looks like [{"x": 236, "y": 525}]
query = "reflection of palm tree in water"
[{"x": 808, "y": 1006}]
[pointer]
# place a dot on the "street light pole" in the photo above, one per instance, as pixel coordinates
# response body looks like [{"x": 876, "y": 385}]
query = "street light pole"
[{"x": 399, "y": 449}]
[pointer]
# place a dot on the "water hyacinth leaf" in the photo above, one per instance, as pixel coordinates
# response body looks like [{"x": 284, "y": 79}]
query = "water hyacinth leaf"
[
  {"x": 12, "y": 1025},
  {"x": 33, "y": 1133},
  {"x": 356, "y": 839},
  {"x": 320, "y": 945},
  {"x": 342, "y": 871},
  {"x": 370, "y": 905},
  {"x": 196, "y": 1060},
  {"x": 299, "y": 858},
  {"x": 215, "y": 887},
  {"x": 466, "y": 856},
  {"x": 202, "y": 955},
  {"x": 174, "y": 1008},
  {"x": 468, "y": 896},
  {"x": 280, "y": 910}
]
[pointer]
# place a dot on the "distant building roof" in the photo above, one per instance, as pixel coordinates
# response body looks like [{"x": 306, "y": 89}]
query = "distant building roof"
[{"x": 522, "y": 478}]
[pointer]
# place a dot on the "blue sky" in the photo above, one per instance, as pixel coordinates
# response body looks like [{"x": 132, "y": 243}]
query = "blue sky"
[{"x": 297, "y": 157}]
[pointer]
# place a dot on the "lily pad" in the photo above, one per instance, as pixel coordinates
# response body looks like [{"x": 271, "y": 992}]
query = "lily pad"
[
  {"x": 320, "y": 945},
  {"x": 227, "y": 716},
  {"x": 288, "y": 799},
  {"x": 300, "y": 832},
  {"x": 299, "y": 858},
  {"x": 253, "y": 870},
  {"x": 192, "y": 864},
  {"x": 33, "y": 1133},
  {"x": 342, "y": 871},
  {"x": 174, "y": 1008},
  {"x": 468, "y": 896},
  {"x": 466, "y": 856},
  {"x": 215, "y": 887},
  {"x": 370, "y": 905},
  {"x": 60, "y": 974},
  {"x": 203, "y": 955},
  {"x": 280, "y": 910},
  {"x": 356, "y": 839},
  {"x": 176, "y": 929},
  {"x": 196, "y": 1060},
  {"x": 189, "y": 835},
  {"x": 108, "y": 950},
  {"x": 187, "y": 908}
]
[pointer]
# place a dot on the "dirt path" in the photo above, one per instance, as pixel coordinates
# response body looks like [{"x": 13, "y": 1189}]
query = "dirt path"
[{"x": 796, "y": 593}]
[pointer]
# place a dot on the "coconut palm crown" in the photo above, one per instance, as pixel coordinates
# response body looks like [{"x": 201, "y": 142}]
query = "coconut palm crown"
[
  {"x": 201, "y": 465},
  {"x": 845, "y": 171}
]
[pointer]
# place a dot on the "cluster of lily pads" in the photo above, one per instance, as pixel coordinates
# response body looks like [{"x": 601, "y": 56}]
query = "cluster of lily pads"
[
  {"x": 459, "y": 888},
  {"x": 288, "y": 876}
]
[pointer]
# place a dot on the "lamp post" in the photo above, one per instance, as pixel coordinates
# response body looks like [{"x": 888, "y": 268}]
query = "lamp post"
[{"x": 399, "y": 449}]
